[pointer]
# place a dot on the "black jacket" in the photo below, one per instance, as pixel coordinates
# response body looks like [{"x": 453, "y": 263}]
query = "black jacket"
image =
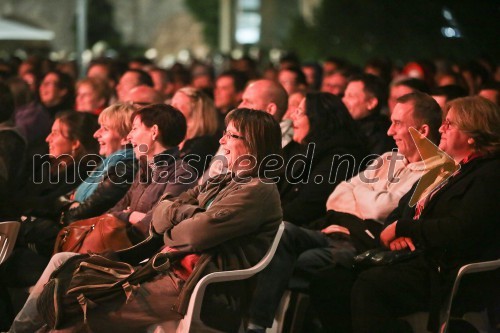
[
  {"x": 113, "y": 186},
  {"x": 374, "y": 128},
  {"x": 460, "y": 223},
  {"x": 307, "y": 183},
  {"x": 167, "y": 174}
]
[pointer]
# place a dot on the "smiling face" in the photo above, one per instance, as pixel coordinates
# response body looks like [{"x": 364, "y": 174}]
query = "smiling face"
[
  {"x": 50, "y": 93},
  {"x": 454, "y": 141},
  {"x": 357, "y": 101},
  {"x": 301, "y": 123},
  {"x": 142, "y": 139},
  {"x": 109, "y": 139},
  {"x": 401, "y": 119},
  {"x": 58, "y": 140},
  {"x": 233, "y": 145}
]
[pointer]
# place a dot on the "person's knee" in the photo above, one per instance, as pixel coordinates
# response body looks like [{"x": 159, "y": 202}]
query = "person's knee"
[{"x": 59, "y": 258}]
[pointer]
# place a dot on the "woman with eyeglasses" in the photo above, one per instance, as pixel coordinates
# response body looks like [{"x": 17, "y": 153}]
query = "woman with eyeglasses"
[
  {"x": 227, "y": 223},
  {"x": 455, "y": 224},
  {"x": 200, "y": 143},
  {"x": 326, "y": 150}
]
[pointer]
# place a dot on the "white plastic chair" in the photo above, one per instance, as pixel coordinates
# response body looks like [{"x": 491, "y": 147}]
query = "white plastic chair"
[
  {"x": 192, "y": 322},
  {"x": 8, "y": 236},
  {"x": 466, "y": 269}
]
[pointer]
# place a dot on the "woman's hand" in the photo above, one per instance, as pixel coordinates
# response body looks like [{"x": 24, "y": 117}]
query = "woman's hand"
[
  {"x": 335, "y": 228},
  {"x": 402, "y": 243},
  {"x": 136, "y": 217},
  {"x": 74, "y": 205},
  {"x": 388, "y": 234}
]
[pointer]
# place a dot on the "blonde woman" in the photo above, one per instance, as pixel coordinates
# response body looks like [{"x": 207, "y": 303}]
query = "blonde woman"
[
  {"x": 110, "y": 180},
  {"x": 201, "y": 141}
]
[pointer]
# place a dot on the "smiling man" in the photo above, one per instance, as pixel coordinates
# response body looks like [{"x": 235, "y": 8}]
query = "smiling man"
[{"x": 356, "y": 211}]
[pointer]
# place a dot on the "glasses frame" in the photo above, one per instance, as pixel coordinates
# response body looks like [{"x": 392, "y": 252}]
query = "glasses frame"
[{"x": 229, "y": 135}]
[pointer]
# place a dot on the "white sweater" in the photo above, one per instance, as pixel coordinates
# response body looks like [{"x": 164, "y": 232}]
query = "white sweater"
[{"x": 375, "y": 192}]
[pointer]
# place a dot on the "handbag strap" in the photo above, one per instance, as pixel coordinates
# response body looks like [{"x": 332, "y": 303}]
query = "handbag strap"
[{"x": 77, "y": 245}]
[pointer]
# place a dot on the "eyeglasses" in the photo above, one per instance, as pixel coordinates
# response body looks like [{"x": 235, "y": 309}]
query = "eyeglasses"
[
  {"x": 229, "y": 135},
  {"x": 447, "y": 124}
]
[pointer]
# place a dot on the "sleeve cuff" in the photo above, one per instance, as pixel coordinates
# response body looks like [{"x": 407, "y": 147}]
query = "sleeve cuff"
[{"x": 404, "y": 227}]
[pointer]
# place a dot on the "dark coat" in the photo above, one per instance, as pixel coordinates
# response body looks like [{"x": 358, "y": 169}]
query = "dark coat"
[
  {"x": 167, "y": 174},
  {"x": 40, "y": 197},
  {"x": 303, "y": 199},
  {"x": 374, "y": 128},
  {"x": 112, "y": 187},
  {"x": 458, "y": 226},
  {"x": 12, "y": 160}
]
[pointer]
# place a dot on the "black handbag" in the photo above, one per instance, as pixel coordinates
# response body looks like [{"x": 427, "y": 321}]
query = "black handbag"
[
  {"x": 38, "y": 234},
  {"x": 382, "y": 257}
]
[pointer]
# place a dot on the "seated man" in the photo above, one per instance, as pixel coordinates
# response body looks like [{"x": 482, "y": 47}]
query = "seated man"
[
  {"x": 456, "y": 224},
  {"x": 356, "y": 210}
]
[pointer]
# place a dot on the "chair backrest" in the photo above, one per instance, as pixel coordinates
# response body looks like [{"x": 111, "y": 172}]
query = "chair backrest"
[
  {"x": 8, "y": 236},
  {"x": 477, "y": 267},
  {"x": 192, "y": 321}
]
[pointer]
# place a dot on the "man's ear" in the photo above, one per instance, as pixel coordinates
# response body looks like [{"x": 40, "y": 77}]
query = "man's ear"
[
  {"x": 271, "y": 109},
  {"x": 154, "y": 132},
  {"x": 372, "y": 103},
  {"x": 425, "y": 130},
  {"x": 75, "y": 145}
]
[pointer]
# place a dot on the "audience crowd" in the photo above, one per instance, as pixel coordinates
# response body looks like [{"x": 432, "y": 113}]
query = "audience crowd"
[{"x": 351, "y": 158}]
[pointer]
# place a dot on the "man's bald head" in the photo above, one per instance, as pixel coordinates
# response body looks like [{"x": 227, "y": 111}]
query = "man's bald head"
[
  {"x": 144, "y": 95},
  {"x": 266, "y": 95}
]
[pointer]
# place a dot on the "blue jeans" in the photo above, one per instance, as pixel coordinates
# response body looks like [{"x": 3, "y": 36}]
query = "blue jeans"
[
  {"x": 304, "y": 252},
  {"x": 28, "y": 320}
]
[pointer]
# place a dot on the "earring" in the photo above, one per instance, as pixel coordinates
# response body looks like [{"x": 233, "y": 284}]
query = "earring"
[{"x": 470, "y": 141}]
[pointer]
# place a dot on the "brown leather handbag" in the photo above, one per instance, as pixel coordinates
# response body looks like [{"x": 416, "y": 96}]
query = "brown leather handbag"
[{"x": 96, "y": 234}]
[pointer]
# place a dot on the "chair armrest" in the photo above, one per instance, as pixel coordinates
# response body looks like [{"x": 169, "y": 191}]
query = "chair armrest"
[
  {"x": 8, "y": 237},
  {"x": 196, "y": 300}
]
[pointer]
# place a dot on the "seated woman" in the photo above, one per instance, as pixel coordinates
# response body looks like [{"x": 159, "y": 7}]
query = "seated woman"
[
  {"x": 72, "y": 156},
  {"x": 455, "y": 224},
  {"x": 323, "y": 128},
  {"x": 225, "y": 224},
  {"x": 111, "y": 179},
  {"x": 200, "y": 143},
  {"x": 157, "y": 130}
]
